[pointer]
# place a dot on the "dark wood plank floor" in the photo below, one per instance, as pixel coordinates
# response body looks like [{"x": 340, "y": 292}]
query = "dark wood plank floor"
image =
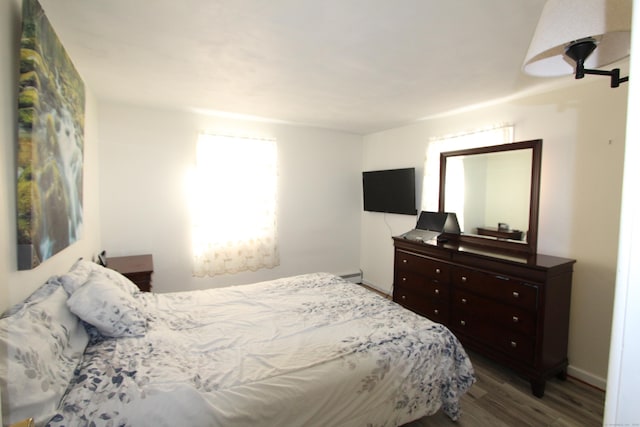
[{"x": 501, "y": 398}]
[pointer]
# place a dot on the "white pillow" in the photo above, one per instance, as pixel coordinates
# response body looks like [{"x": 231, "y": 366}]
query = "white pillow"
[
  {"x": 82, "y": 269},
  {"x": 78, "y": 274},
  {"x": 105, "y": 305},
  {"x": 41, "y": 344},
  {"x": 120, "y": 280}
]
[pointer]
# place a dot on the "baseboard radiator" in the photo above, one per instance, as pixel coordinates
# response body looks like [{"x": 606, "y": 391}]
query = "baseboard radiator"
[{"x": 353, "y": 277}]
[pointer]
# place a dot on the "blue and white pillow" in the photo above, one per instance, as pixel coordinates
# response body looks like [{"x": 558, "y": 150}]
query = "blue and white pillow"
[
  {"x": 103, "y": 303},
  {"x": 41, "y": 344},
  {"x": 81, "y": 270}
]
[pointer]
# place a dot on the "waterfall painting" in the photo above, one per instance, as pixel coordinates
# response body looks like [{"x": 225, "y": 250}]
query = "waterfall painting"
[{"x": 51, "y": 99}]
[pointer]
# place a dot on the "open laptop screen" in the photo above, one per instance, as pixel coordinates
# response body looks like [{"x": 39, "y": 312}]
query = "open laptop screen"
[{"x": 442, "y": 222}]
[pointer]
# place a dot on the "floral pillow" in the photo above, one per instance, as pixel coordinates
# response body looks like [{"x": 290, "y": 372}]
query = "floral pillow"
[
  {"x": 110, "y": 309},
  {"x": 41, "y": 344},
  {"x": 82, "y": 269},
  {"x": 120, "y": 280},
  {"x": 78, "y": 274}
]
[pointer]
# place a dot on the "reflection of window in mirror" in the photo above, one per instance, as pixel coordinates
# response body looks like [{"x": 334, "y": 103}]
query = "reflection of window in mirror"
[
  {"x": 487, "y": 189},
  {"x": 456, "y": 195}
]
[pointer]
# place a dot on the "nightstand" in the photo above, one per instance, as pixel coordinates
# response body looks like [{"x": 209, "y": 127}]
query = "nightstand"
[{"x": 137, "y": 268}]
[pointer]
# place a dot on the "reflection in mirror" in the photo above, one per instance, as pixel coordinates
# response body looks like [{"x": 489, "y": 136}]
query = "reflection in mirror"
[
  {"x": 494, "y": 193},
  {"x": 499, "y": 200}
]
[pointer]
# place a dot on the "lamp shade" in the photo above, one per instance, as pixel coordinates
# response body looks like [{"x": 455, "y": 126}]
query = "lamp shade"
[{"x": 608, "y": 22}]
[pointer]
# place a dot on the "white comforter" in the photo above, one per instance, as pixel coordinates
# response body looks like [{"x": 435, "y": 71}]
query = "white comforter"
[{"x": 310, "y": 350}]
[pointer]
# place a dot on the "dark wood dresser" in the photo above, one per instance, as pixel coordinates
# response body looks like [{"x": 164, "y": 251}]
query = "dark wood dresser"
[
  {"x": 513, "y": 309},
  {"x": 137, "y": 268}
]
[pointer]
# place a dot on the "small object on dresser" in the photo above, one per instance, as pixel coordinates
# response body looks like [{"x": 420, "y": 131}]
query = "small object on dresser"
[
  {"x": 500, "y": 234},
  {"x": 137, "y": 268},
  {"x": 102, "y": 258}
]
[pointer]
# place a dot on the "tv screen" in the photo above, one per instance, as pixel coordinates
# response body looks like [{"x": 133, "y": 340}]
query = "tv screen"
[{"x": 392, "y": 191}]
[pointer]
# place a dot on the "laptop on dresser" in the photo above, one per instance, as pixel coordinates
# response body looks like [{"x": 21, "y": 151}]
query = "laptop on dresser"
[{"x": 432, "y": 225}]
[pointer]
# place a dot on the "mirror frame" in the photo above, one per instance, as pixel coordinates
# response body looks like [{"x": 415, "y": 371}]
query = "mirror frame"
[{"x": 531, "y": 244}]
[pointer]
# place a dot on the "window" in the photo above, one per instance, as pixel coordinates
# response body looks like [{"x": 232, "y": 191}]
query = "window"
[
  {"x": 431, "y": 180},
  {"x": 233, "y": 202}
]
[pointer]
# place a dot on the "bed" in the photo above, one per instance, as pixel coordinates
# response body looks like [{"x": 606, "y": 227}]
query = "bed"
[{"x": 87, "y": 348}]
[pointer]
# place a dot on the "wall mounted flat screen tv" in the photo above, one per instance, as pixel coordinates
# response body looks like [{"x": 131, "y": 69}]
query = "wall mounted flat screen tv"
[{"x": 392, "y": 191}]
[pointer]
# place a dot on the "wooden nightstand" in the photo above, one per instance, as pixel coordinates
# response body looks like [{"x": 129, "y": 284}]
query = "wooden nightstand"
[{"x": 137, "y": 268}]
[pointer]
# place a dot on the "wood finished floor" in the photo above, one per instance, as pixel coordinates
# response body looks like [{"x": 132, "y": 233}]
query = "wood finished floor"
[{"x": 501, "y": 398}]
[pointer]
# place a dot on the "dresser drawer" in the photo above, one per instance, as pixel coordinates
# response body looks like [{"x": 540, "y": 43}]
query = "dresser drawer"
[
  {"x": 408, "y": 279},
  {"x": 500, "y": 315},
  {"x": 502, "y": 288},
  {"x": 427, "y": 267},
  {"x": 436, "y": 289},
  {"x": 416, "y": 282},
  {"x": 436, "y": 309},
  {"x": 517, "y": 346}
]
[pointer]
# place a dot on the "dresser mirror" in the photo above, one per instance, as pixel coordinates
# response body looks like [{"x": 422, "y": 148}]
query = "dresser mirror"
[{"x": 495, "y": 193}]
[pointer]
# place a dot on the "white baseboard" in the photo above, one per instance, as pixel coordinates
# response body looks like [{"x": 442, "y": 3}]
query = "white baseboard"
[
  {"x": 587, "y": 377},
  {"x": 377, "y": 288}
]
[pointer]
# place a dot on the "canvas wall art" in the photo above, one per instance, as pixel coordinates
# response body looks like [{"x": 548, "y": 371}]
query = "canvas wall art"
[{"x": 50, "y": 148}]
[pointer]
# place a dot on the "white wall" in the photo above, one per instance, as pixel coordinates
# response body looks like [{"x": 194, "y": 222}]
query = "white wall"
[
  {"x": 507, "y": 175},
  {"x": 145, "y": 154},
  {"x": 582, "y": 127},
  {"x": 621, "y": 406},
  {"x": 16, "y": 285}
]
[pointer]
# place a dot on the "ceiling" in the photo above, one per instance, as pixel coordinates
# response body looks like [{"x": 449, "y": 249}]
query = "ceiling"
[{"x": 353, "y": 65}]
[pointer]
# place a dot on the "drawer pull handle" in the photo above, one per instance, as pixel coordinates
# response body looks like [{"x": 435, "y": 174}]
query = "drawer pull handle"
[
  {"x": 437, "y": 271},
  {"x": 404, "y": 261},
  {"x": 464, "y": 300},
  {"x": 404, "y": 297},
  {"x": 516, "y": 294},
  {"x": 514, "y": 344},
  {"x": 437, "y": 291},
  {"x": 515, "y": 319},
  {"x": 404, "y": 279},
  {"x": 463, "y": 323},
  {"x": 436, "y": 311},
  {"x": 464, "y": 279}
]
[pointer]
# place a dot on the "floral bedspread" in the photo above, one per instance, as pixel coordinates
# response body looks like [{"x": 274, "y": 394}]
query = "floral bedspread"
[{"x": 310, "y": 350}]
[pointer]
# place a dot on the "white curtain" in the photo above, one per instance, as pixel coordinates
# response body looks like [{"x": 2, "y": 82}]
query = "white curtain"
[
  {"x": 501, "y": 134},
  {"x": 233, "y": 203}
]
